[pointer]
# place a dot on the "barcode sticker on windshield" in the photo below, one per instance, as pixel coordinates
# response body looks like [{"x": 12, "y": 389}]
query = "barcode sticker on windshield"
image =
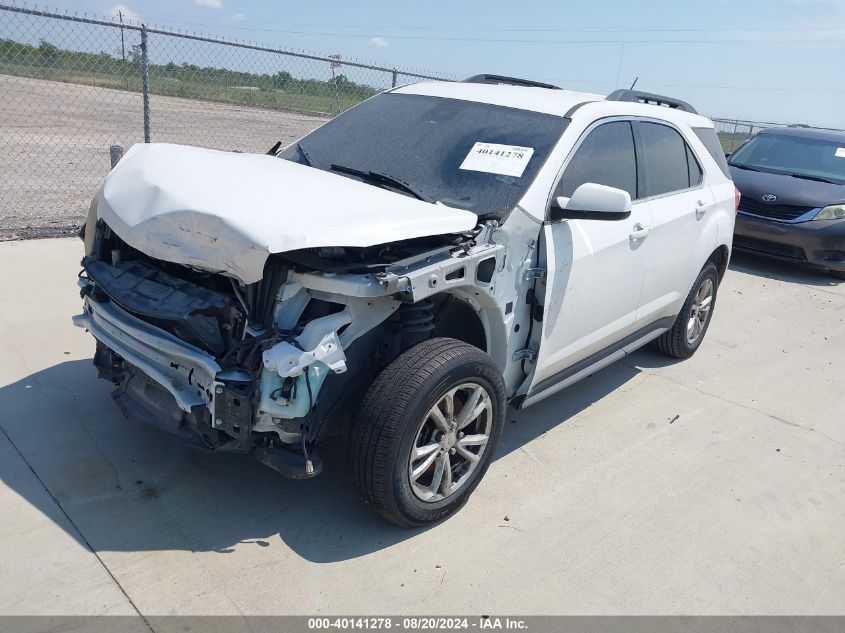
[
  {"x": 840, "y": 152},
  {"x": 506, "y": 160}
]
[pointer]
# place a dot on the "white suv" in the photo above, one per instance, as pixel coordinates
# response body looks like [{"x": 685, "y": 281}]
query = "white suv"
[{"x": 402, "y": 274}]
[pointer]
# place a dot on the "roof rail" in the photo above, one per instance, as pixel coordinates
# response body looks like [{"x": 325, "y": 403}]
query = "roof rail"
[
  {"x": 511, "y": 81},
  {"x": 637, "y": 96}
]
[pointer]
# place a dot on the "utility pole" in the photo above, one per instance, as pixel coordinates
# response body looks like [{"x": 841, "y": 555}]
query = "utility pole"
[
  {"x": 335, "y": 64},
  {"x": 123, "y": 49}
]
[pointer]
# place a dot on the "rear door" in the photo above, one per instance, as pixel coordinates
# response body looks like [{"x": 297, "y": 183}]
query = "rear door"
[{"x": 672, "y": 182}]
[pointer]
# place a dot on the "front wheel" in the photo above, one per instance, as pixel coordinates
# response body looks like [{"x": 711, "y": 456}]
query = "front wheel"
[{"x": 427, "y": 431}]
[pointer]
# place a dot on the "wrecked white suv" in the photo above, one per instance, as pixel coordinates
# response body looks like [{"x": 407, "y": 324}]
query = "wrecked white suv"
[{"x": 402, "y": 274}]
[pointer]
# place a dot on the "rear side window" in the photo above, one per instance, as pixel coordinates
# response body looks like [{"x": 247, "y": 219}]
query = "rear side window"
[
  {"x": 707, "y": 135},
  {"x": 667, "y": 158},
  {"x": 606, "y": 157}
]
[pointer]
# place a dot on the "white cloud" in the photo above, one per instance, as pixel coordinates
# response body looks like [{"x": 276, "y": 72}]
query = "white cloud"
[
  {"x": 379, "y": 42},
  {"x": 209, "y": 4},
  {"x": 118, "y": 9},
  {"x": 238, "y": 17}
]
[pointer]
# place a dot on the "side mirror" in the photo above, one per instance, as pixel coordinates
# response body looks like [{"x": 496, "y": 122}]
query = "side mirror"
[
  {"x": 592, "y": 202},
  {"x": 727, "y": 155}
]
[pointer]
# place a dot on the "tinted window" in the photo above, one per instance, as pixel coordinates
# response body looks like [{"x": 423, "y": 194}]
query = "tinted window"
[
  {"x": 606, "y": 157},
  {"x": 422, "y": 142},
  {"x": 707, "y": 135},
  {"x": 808, "y": 157},
  {"x": 694, "y": 169},
  {"x": 666, "y": 161}
]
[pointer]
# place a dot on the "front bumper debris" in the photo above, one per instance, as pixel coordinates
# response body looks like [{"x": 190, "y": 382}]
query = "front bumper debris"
[
  {"x": 186, "y": 372},
  {"x": 165, "y": 383}
]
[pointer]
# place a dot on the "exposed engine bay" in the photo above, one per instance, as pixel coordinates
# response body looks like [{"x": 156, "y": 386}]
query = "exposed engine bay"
[{"x": 247, "y": 364}]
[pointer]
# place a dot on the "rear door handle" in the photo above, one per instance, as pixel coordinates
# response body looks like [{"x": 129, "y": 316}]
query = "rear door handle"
[
  {"x": 640, "y": 232},
  {"x": 701, "y": 207}
]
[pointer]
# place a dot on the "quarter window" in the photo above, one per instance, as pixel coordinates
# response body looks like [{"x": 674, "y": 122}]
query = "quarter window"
[
  {"x": 606, "y": 157},
  {"x": 667, "y": 159},
  {"x": 707, "y": 135},
  {"x": 695, "y": 171}
]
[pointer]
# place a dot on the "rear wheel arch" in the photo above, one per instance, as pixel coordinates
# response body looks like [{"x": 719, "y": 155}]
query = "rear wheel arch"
[{"x": 720, "y": 257}]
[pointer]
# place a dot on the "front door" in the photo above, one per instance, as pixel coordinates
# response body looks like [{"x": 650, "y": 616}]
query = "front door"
[{"x": 595, "y": 269}]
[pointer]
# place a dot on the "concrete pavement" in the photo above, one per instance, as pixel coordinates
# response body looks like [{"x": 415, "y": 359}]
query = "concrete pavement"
[{"x": 711, "y": 486}]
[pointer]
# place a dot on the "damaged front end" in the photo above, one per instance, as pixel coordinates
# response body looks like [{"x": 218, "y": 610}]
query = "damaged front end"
[{"x": 271, "y": 367}]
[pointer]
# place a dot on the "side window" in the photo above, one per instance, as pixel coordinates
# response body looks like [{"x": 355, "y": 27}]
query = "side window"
[
  {"x": 606, "y": 157},
  {"x": 695, "y": 171},
  {"x": 667, "y": 160}
]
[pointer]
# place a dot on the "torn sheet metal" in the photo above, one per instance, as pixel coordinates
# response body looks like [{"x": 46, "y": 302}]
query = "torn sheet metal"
[{"x": 288, "y": 360}]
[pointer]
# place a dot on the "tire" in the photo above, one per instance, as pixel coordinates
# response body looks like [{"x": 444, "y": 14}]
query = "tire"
[
  {"x": 838, "y": 274},
  {"x": 676, "y": 342},
  {"x": 396, "y": 417}
]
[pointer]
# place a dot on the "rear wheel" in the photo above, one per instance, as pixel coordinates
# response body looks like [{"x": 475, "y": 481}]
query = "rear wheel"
[
  {"x": 691, "y": 325},
  {"x": 427, "y": 431}
]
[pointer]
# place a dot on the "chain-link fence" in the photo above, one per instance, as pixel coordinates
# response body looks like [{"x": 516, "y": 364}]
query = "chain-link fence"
[
  {"x": 733, "y": 133},
  {"x": 71, "y": 86}
]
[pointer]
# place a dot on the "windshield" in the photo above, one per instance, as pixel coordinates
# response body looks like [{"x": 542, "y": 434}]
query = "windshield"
[
  {"x": 469, "y": 155},
  {"x": 805, "y": 157}
]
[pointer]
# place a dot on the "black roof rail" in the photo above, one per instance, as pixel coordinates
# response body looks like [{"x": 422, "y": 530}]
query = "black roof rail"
[
  {"x": 637, "y": 96},
  {"x": 511, "y": 81}
]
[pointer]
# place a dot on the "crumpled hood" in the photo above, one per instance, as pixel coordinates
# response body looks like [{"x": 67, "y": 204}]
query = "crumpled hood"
[{"x": 227, "y": 212}]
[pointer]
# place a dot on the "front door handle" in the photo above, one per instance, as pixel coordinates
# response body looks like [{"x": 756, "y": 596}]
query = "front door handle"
[{"x": 640, "y": 232}]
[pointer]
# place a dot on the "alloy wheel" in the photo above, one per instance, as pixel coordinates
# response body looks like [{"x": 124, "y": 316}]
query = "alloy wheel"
[
  {"x": 700, "y": 311},
  {"x": 450, "y": 442}
]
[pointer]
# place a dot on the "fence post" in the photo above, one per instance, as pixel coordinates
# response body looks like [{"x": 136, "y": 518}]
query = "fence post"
[
  {"x": 733, "y": 136},
  {"x": 115, "y": 153},
  {"x": 394, "y": 77},
  {"x": 145, "y": 82}
]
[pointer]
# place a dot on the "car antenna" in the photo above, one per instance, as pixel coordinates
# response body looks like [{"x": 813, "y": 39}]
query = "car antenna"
[
  {"x": 275, "y": 148},
  {"x": 636, "y": 79}
]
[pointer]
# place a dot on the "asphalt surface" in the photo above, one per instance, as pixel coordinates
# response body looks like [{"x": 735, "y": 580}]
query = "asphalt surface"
[
  {"x": 55, "y": 138},
  {"x": 711, "y": 486}
]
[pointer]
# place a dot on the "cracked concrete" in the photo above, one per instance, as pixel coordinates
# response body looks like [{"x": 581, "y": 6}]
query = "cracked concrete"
[{"x": 711, "y": 486}]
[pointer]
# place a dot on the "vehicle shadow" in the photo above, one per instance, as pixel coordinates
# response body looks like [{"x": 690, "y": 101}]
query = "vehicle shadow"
[
  {"x": 771, "y": 268},
  {"x": 128, "y": 488}
]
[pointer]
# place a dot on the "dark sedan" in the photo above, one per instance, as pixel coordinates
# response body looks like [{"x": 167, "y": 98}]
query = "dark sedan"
[{"x": 792, "y": 182}]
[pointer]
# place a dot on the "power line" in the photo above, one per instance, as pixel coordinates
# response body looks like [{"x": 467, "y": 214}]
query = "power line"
[
  {"x": 515, "y": 40},
  {"x": 659, "y": 84},
  {"x": 734, "y": 29}
]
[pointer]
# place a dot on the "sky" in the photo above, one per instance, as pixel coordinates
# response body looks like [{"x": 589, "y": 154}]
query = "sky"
[{"x": 779, "y": 61}]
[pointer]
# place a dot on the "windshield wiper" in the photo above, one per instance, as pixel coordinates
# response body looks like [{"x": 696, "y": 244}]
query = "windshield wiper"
[
  {"x": 377, "y": 178},
  {"x": 816, "y": 178},
  {"x": 747, "y": 167}
]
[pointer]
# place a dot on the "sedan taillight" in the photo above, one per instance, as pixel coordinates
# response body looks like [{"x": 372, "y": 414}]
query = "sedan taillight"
[{"x": 737, "y": 197}]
